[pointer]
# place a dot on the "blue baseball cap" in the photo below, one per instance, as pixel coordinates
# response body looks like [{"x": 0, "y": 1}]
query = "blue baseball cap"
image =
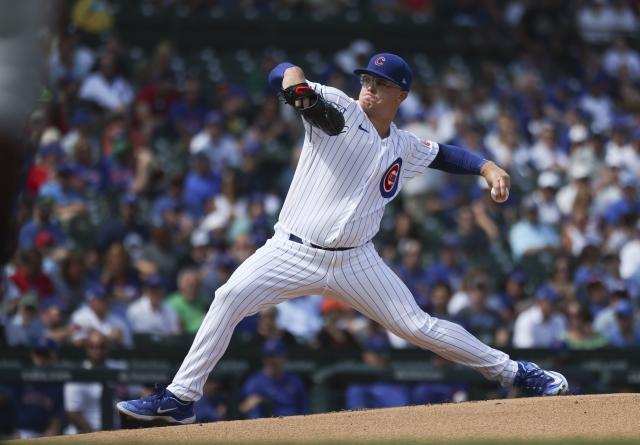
[
  {"x": 273, "y": 347},
  {"x": 153, "y": 280},
  {"x": 624, "y": 308},
  {"x": 390, "y": 67},
  {"x": 96, "y": 291},
  {"x": 547, "y": 293}
]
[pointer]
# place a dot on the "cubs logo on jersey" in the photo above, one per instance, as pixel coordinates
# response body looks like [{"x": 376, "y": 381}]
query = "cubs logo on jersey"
[{"x": 390, "y": 179}]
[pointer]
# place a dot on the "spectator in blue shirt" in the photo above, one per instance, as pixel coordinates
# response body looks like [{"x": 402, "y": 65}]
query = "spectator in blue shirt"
[
  {"x": 41, "y": 221},
  {"x": 273, "y": 391},
  {"x": 529, "y": 236},
  {"x": 212, "y": 407},
  {"x": 200, "y": 184},
  {"x": 66, "y": 191},
  {"x": 625, "y": 333},
  {"x": 379, "y": 394},
  {"x": 40, "y": 410}
]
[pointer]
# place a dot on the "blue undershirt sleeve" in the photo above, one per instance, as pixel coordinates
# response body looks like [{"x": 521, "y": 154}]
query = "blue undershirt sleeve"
[
  {"x": 452, "y": 159},
  {"x": 276, "y": 75}
]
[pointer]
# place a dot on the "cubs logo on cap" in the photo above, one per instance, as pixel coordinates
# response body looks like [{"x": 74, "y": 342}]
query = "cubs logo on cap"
[
  {"x": 390, "y": 179},
  {"x": 390, "y": 67}
]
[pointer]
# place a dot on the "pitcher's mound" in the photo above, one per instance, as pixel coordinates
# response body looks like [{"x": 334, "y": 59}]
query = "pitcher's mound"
[{"x": 608, "y": 416}]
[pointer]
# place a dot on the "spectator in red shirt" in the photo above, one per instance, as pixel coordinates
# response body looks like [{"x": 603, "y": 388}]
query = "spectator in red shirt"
[{"x": 29, "y": 275}]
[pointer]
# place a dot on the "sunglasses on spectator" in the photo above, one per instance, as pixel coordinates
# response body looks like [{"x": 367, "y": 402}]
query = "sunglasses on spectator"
[{"x": 378, "y": 82}]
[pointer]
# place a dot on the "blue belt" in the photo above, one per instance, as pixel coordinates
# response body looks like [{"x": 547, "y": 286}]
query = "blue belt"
[{"x": 298, "y": 240}]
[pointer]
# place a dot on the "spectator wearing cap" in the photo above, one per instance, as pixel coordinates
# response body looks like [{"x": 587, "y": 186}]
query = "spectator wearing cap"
[
  {"x": 334, "y": 334},
  {"x": 478, "y": 317},
  {"x": 106, "y": 87},
  {"x": 125, "y": 228},
  {"x": 272, "y": 391},
  {"x": 381, "y": 394},
  {"x": 201, "y": 184},
  {"x": 29, "y": 275},
  {"x": 605, "y": 320},
  {"x": 580, "y": 333},
  {"x": 529, "y": 236},
  {"x": 83, "y": 401},
  {"x": 625, "y": 331},
  {"x": 54, "y": 317},
  {"x": 542, "y": 325},
  {"x": 44, "y": 169},
  {"x": 96, "y": 315},
  {"x": 39, "y": 404},
  {"x": 545, "y": 198},
  {"x": 80, "y": 125},
  {"x": 66, "y": 191},
  {"x": 187, "y": 301},
  {"x": 42, "y": 221},
  {"x": 151, "y": 314},
  {"x": 216, "y": 144},
  {"x": 25, "y": 326}
]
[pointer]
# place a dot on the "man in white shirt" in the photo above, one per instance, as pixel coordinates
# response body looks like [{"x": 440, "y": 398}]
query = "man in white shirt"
[
  {"x": 150, "y": 314},
  {"x": 541, "y": 325},
  {"x": 96, "y": 315},
  {"x": 106, "y": 88},
  {"x": 82, "y": 401}
]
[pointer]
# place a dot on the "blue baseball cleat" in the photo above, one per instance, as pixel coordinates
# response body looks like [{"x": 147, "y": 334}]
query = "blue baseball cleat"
[
  {"x": 535, "y": 380},
  {"x": 162, "y": 405}
]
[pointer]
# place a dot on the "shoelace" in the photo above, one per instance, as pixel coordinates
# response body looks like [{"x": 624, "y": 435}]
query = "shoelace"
[
  {"x": 534, "y": 380},
  {"x": 158, "y": 394}
]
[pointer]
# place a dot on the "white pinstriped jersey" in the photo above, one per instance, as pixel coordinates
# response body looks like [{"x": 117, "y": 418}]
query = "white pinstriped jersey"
[{"x": 342, "y": 183}]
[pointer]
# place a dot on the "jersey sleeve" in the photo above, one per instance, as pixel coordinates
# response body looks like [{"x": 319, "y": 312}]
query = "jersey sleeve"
[{"x": 420, "y": 153}]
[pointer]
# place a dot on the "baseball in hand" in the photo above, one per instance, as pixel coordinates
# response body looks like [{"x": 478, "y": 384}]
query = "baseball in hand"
[{"x": 494, "y": 195}]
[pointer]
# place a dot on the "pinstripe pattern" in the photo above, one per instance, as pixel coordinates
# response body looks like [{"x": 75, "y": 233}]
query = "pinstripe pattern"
[{"x": 336, "y": 200}]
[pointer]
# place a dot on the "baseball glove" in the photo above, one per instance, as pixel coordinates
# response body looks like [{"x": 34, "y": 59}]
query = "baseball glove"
[{"x": 319, "y": 113}]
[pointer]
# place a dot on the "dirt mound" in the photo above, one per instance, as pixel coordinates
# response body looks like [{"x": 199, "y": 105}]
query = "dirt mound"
[{"x": 609, "y": 416}]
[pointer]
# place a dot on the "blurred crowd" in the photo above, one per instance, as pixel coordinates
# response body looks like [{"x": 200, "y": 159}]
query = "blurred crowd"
[{"x": 152, "y": 183}]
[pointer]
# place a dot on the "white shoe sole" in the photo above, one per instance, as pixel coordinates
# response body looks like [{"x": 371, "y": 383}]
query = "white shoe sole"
[
  {"x": 560, "y": 386},
  {"x": 168, "y": 419}
]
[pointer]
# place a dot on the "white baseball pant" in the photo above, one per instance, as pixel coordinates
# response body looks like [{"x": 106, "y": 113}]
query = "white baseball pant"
[{"x": 283, "y": 269}]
